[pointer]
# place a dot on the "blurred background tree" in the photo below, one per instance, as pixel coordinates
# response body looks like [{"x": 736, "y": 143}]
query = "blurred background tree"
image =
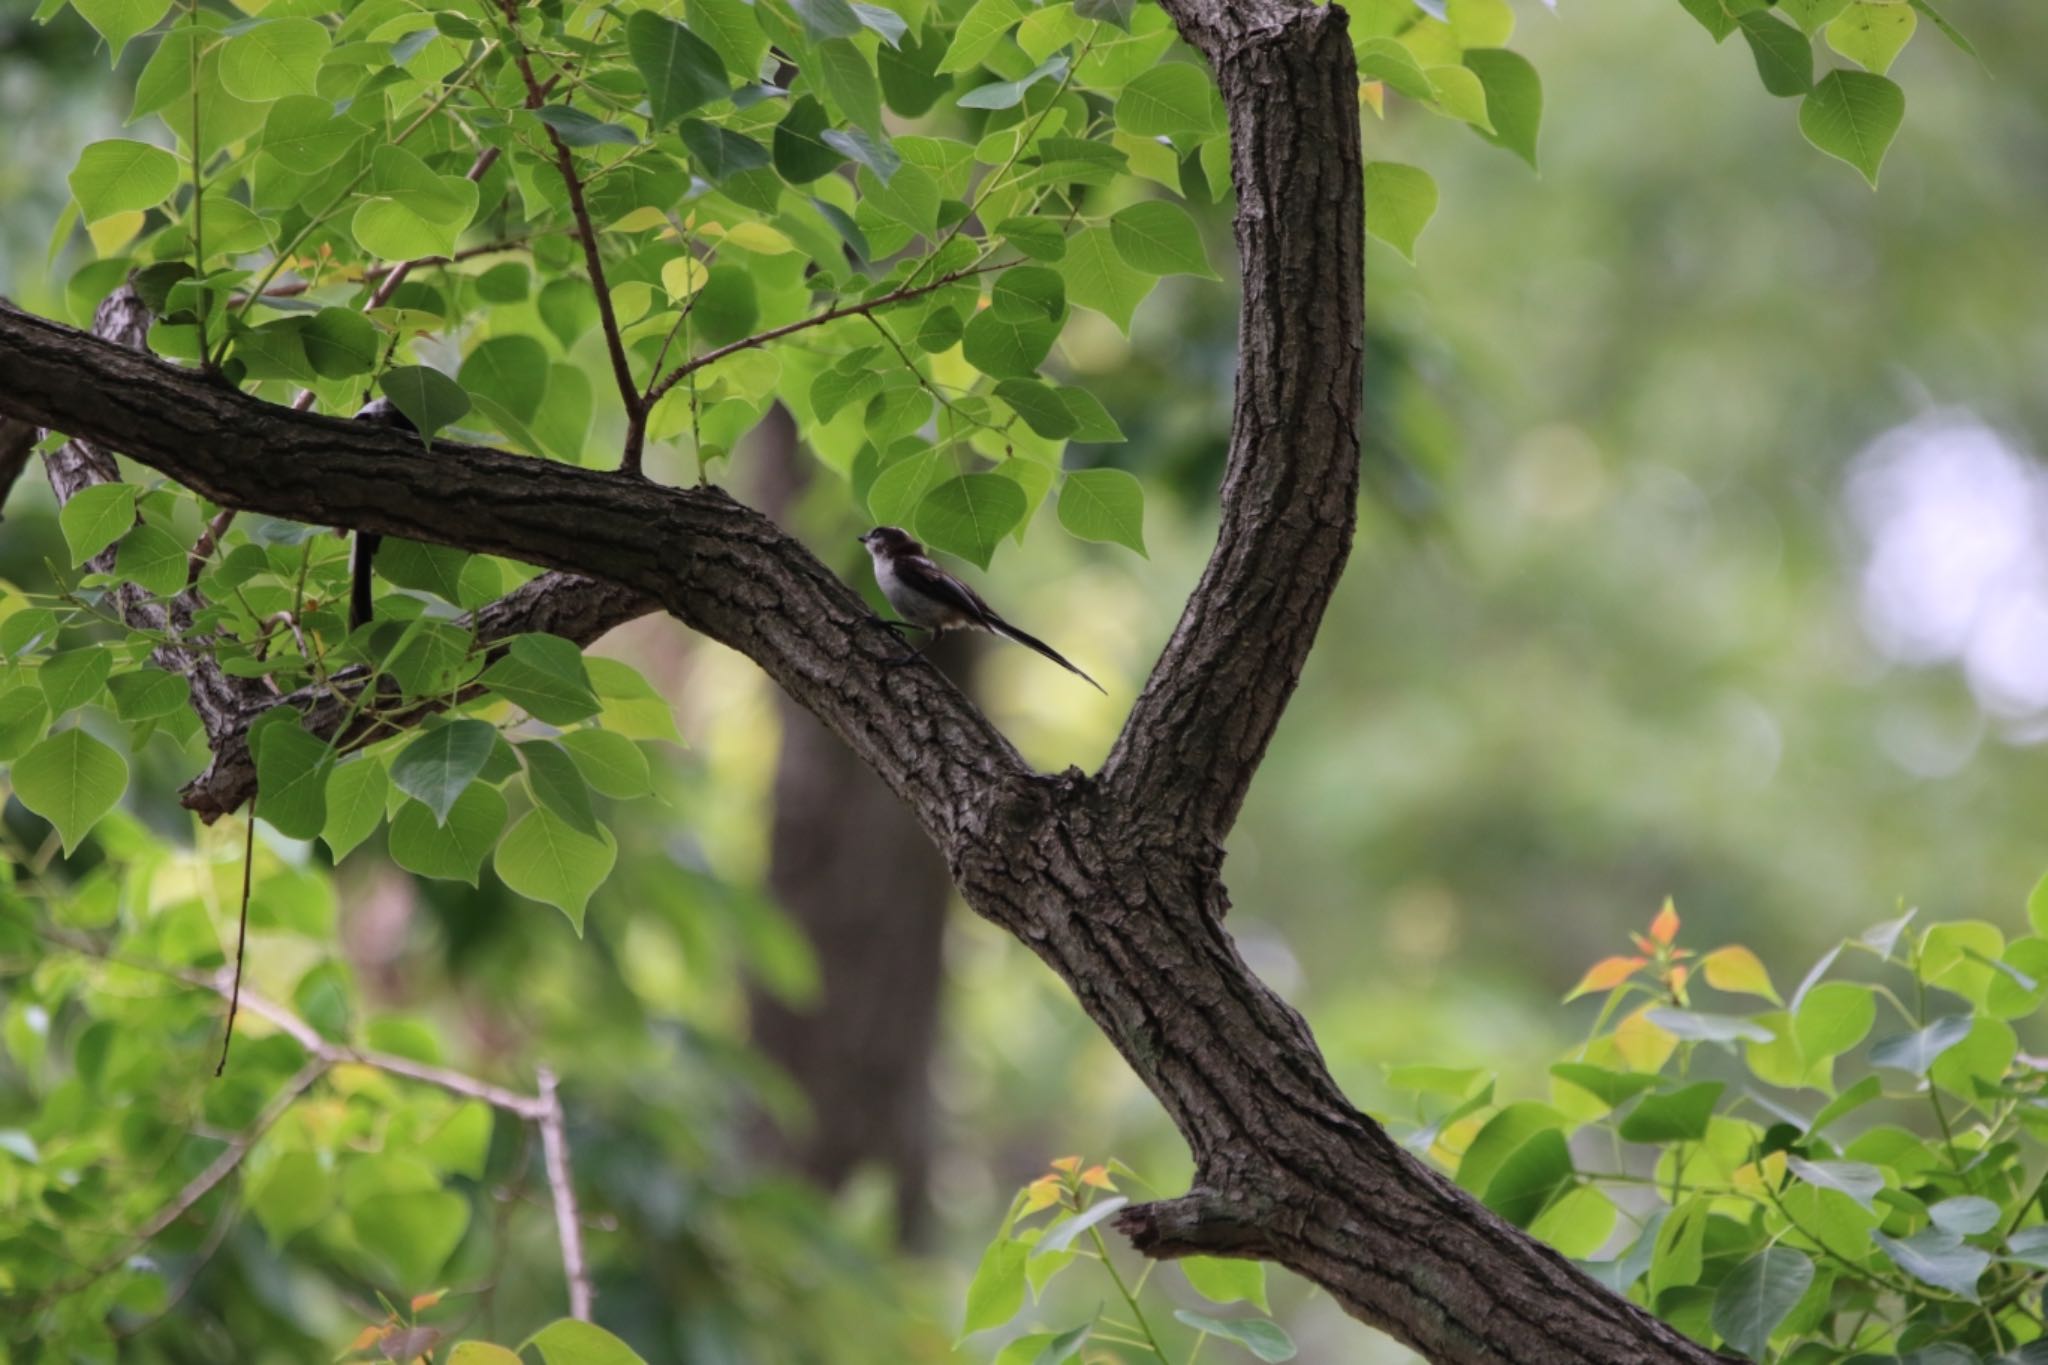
[{"x": 1707, "y": 555}]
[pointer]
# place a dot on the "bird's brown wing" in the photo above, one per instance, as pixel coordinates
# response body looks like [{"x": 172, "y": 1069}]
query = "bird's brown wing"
[{"x": 934, "y": 582}]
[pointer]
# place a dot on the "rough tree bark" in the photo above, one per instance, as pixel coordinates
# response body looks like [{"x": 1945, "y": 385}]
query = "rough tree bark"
[{"x": 1112, "y": 879}]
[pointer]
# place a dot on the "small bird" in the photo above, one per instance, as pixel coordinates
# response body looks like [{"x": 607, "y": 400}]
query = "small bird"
[
  {"x": 362, "y": 555},
  {"x": 930, "y": 599}
]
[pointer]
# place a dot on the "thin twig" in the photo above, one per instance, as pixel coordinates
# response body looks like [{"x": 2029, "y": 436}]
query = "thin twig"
[
  {"x": 554, "y": 1141},
  {"x": 689, "y": 367},
  {"x": 241, "y": 939},
  {"x": 294, "y": 288},
  {"x": 593, "y": 261},
  {"x": 202, "y": 1184}
]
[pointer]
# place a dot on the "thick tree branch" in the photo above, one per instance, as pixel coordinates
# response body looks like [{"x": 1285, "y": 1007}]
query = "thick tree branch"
[
  {"x": 721, "y": 568},
  {"x": 1290, "y": 490}
]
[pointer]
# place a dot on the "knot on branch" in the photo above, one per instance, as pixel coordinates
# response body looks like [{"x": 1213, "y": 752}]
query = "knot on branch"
[{"x": 1202, "y": 1222}]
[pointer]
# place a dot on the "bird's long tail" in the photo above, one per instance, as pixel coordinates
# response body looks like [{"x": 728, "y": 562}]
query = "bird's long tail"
[
  {"x": 360, "y": 557},
  {"x": 1010, "y": 632}
]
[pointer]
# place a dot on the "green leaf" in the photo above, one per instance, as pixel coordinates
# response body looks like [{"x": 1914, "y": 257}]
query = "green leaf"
[
  {"x": 1784, "y": 55},
  {"x": 633, "y": 707},
  {"x": 1042, "y": 239},
  {"x": 96, "y": 517},
  {"x": 340, "y": 343},
  {"x": 1105, "y": 505},
  {"x": 1811, "y": 15},
  {"x": 875, "y": 153},
  {"x": 1093, "y": 424},
  {"x": 1514, "y": 99},
  {"x": 545, "y": 675},
  {"x": 1676, "y": 1116},
  {"x": 2037, "y": 899},
  {"x": 980, "y": 30},
  {"x": 800, "y": 154},
  {"x": 848, "y": 82},
  {"x": 411, "y": 211},
  {"x": 558, "y": 784},
  {"x": 997, "y": 1290},
  {"x": 1917, "y": 1052},
  {"x": 414, "y": 1232},
  {"x": 152, "y": 558},
  {"x": 305, "y": 135},
  {"x": 510, "y": 370},
  {"x": 569, "y": 1342},
  {"x": 1029, "y": 293},
  {"x": 1167, "y": 100},
  {"x": 74, "y": 677},
  {"x": 1399, "y": 202},
  {"x": 1226, "y": 1281},
  {"x": 1262, "y": 1338},
  {"x": 119, "y": 176},
  {"x": 1010, "y": 94},
  {"x": 544, "y": 858},
  {"x": 1938, "y": 1258},
  {"x": 578, "y": 129},
  {"x": 71, "y": 780},
  {"x": 1713, "y": 16},
  {"x": 1853, "y": 116},
  {"x": 294, "y": 1193},
  {"x": 1948, "y": 30},
  {"x": 883, "y": 22},
  {"x": 1007, "y": 347},
  {"x": 274, "y": 58},
  {"x": 910, "y": 197},
  {"x": 1386, "y": 60},
  {"x": 610, "y": 762},
  {"x": 1097, "y": 277},
  {"x": 291, "y": 773},
  {"x": 1758, "y": 1295},
  {"x": 827, "y": 18},
  {"x": 1159, "y": 238},
  {"x": 1872, "y": 35},
  {"x": 429, "y": 398},
  {"x": 147, "y": 694},
  {"x": 682, "y": 71},
  {"x": 120, "y": 20},
  {"x": 1062, "y": 1235},
  {"x": 1832, "y": 1018},
  {"x": 730, "y": 26},
  {"x": 1460, "y": 94},
  {"x": 1612, "y": 1088},
  {"x": 1858, "y": 1180},
  {"x": 970, "y": 515},
  {"x": 453, "y": 851},
  {"x": 1041, "y": 407},
  {"x": 1700, "y": 1027},
  {"x": 436, "y": 767},
  {"x": 356, "y": 793},
  {"x": 1533, "y": 1175},
  {"x": 1965, "y": 1215},
  {"x": 720, "y": 153}
]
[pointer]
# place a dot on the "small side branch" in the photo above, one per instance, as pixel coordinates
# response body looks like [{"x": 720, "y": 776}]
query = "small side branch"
[
  {"x": 554, "y": 1141},
  {"x": 593, "y": 261}
]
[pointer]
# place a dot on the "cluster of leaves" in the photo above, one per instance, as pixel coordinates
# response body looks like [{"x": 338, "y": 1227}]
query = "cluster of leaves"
[
  {"x": 1851, "y": 113},
  {"x": 118, "y": 1053},
  {"x": 1850, "y": 1174},
  {"x": 528, "y": 722},
  {"x": 1028, "y": 1252}
]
